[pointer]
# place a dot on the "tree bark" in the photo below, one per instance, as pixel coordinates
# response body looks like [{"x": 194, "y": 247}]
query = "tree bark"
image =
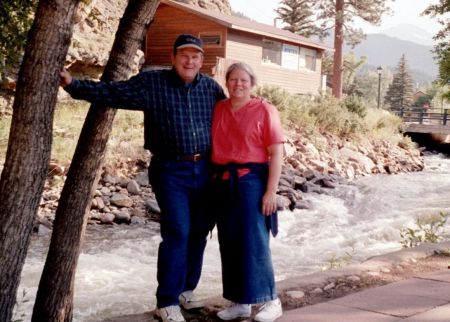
[
  {"x": 338, "y": 44},
  {"x": 30, "y": 138},
  {"x": 54, "y": 301}
]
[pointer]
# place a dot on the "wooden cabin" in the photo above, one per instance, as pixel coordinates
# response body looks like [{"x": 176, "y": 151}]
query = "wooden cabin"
[{"x": 278, "y": 57}]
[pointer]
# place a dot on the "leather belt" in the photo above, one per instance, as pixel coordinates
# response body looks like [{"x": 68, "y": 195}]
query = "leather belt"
[{"x": 194, "y": 157}]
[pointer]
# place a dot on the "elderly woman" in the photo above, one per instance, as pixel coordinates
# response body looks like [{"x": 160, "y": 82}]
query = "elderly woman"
[{"x": 247, "y": 156}]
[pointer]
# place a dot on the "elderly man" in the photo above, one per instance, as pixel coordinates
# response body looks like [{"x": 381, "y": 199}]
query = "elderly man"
[{"x": 177, "y": 106}]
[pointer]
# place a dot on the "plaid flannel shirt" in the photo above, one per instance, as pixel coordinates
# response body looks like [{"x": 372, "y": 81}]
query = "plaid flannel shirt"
[{"x": 177, "y": 116}]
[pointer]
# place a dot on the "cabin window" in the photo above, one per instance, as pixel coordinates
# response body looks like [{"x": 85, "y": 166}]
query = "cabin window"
[
  {"x": 290, "y": 57},
  {"x": 271, "y": 52},
  {"x": 210, "y": 39},
  {"x": 308, "y": 58}
]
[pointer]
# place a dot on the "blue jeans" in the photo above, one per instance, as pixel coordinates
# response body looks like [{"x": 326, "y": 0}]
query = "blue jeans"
[
  {"x": 247, "y": 272},
  {"x": 180, "y": 189}
]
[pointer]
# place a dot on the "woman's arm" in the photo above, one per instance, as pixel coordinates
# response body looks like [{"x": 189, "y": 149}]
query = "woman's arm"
[{"x": 269, "y": 202}]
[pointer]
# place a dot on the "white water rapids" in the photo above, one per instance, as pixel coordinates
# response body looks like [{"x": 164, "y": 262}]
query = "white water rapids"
[{"x": 116, "y": 273}]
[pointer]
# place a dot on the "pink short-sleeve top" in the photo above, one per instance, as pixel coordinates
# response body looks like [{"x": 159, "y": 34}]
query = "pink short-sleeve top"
[{"x": 243, "y": 135}]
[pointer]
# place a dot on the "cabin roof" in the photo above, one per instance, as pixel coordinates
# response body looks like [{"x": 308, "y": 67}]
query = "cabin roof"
[{"x": 246, "y": 25}]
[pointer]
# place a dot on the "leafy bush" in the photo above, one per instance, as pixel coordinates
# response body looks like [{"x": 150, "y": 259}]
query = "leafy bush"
[
  {"x": 429, "y": 229},
  {"x": 355, "y": 105},
  {"x": 293, "y": 108},
  {"x": 333, "y": 117}
]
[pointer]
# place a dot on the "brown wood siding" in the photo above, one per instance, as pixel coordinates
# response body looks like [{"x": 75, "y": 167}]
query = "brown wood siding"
[
  {"x": 248, "y": 48},
  {"x": 169, "y": 22}
]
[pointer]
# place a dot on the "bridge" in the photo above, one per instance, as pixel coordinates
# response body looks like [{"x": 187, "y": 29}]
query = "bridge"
[{"x": 425, "y": 121}]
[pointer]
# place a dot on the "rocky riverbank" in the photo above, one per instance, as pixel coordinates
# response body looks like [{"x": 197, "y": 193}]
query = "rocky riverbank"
[{"x": 312, "y": 165}]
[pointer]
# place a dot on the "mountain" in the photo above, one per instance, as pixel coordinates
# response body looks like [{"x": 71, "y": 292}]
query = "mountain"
[
  {"x": 410, "y": 33},
  {"x": 383, "y": 50}
]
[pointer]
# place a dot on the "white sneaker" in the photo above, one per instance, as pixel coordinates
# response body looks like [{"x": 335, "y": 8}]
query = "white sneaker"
[
  {"x": 269, "y": 311},
  {"x": 170, "y": 314},
  {"x": 235, "y": 311},
  {"x": 189, "y": 301}
]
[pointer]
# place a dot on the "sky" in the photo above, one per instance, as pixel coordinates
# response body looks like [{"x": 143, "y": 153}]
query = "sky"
[{"x": 404, "y": 12}]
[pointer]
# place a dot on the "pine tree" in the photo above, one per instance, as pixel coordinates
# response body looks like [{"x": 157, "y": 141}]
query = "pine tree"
[
  {"x": 339, "y": 15},
  {"x": 400, "y": 92},
  {"x": 442, "y": 49},
  {"x": 299, "y": 17}
]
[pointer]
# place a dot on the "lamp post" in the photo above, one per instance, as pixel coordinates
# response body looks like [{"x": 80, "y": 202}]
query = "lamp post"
[{"x": 379, "y": 70}]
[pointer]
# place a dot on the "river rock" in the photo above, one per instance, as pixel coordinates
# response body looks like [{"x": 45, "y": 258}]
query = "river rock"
[
  {"x": 317, "y": 290},
  {"x": 295, "y": 294},
  {"x": 142, "y": 179},
  {"x": 100, "y": 202},
  {"x": 133, "y": 187},
  {"x": 283, "y": 202},
  {"x": 111, "y": 179},
  {"x": 107, "y": 218},
  {"x": 105, "y": 191},
  {"x": 122, "y": 216},
  {"x": 121, "y": 200},
  {"x": 151, "y": 205},
  {"x": 353, "y": 278}
]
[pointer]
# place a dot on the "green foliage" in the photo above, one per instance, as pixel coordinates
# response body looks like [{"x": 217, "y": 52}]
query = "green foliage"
[
  {"x": 349, "y": 117},
  {"x": 440, "y": 11},
  {"x": 367, "y": 86},
  {"x": 351, "y": 65},
  {"x": 370, "y": 11},
  {"x": 429, "y": 229},
  {"x": 16, "y": 17},
  {"x": 400, "y": 92},
  {"x": 335, "y": 261},
  {"x": 331, "y": 116},
  {"x": 293, "y": 109},
  {"x": 299, "y": 18},
  {"x": 355, "y": 105},
  {"x": 422, "y": 100}
]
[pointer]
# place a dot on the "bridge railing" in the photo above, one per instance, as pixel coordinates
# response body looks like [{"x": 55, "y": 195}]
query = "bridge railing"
[{"x": 421, "y": 116}]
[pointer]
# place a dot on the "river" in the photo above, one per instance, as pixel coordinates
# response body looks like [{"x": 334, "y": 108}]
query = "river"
[{"x": 117, "y": 267}]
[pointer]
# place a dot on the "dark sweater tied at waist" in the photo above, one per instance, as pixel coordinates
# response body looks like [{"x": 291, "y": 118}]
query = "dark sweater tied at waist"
[{"x": 261, "y": 169}]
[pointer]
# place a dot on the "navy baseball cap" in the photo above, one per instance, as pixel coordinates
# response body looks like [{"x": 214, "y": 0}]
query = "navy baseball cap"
[{"x": 188, "y": 41}]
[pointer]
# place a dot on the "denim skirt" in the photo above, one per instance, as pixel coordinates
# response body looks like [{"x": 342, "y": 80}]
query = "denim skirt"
[{"x": 247, "y": 271}]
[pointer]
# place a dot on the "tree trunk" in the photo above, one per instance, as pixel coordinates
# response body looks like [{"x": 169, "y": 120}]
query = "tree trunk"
[
  {"x": 54, "y": 300},
  {"x": 338, "y": 44},
  {"x": 29, "y": 145}
]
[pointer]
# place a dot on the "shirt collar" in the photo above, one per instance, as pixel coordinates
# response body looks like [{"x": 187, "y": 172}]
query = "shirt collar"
[{"x": 178, "y": 81}]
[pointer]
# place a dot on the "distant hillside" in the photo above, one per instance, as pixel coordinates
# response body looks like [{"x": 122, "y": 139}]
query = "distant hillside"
[
  {"x": 410, "y": 32},
  {"x": 383, "y": 50}
]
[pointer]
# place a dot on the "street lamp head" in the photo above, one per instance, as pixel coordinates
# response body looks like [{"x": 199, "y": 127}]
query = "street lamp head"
[{"x": 379, "y": 70}]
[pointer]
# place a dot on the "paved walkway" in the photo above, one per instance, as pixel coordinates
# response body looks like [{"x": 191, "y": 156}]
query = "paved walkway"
[{"x": 425, "y": 298}]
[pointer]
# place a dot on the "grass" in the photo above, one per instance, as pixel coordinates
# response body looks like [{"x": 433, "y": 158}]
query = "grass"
[{"x": 126, "y": 140}]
